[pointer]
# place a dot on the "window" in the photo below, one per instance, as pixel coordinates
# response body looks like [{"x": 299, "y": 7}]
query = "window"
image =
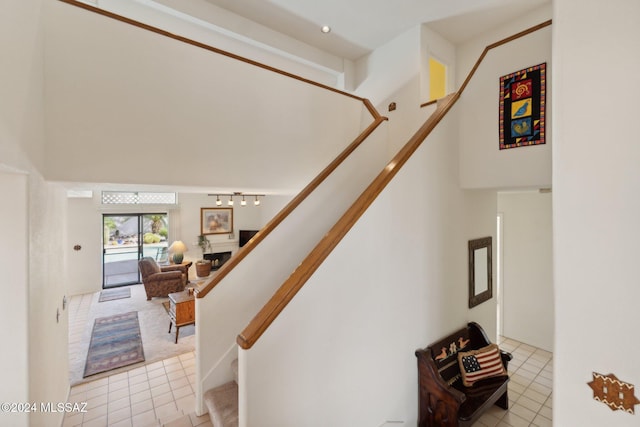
[{"x": 138, "y": 198}]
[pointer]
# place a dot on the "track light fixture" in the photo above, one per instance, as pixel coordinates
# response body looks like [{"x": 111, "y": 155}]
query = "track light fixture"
[{"x": 243, "y": 202}]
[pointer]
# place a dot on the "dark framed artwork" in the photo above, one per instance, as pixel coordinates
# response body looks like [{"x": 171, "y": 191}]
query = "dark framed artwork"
[
  {"x": 522, "y": 107},
  {"x": 216, "y": 221},
  {"x": 480, "y": 271}
]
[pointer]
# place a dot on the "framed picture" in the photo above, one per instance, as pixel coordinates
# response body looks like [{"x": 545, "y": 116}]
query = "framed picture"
[
  {"x": 216, "y": 220},
  {"x": 522, "y": 107}
]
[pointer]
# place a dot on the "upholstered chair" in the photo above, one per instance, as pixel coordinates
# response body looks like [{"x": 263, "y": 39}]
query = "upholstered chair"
[{"x": 160, "y": 281}]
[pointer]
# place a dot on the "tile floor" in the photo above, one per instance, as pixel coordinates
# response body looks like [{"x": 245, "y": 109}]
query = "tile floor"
[
  {"x": 162, "y": 393},
  {"x": 531, "y": 372},
  {"x": 158, "y": 344},
  {"x": 157, "y": 394}
]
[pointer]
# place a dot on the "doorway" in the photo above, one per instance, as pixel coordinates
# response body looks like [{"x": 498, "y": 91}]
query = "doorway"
[
  {"x": 498, "y": 275},
  {"x": 525, "y": 267},
  {"x": 126, "y": 239}
]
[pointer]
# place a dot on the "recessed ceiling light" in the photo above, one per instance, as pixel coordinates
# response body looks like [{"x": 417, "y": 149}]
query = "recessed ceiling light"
[{"x": 325, "y": 29}]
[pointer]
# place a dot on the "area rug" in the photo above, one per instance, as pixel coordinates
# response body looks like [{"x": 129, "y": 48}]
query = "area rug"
[
  {"x": 158, "y": 343},
  {"x": 113, "y": 294},
  {"x": 115, "y": 342}
]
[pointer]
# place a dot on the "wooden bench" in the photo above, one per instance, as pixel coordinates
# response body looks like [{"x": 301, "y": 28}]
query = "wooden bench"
[{"x": 444, "y": 400}]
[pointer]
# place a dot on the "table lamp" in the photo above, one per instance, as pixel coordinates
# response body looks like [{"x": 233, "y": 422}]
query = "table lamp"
[{"x": 178, "y": 249}]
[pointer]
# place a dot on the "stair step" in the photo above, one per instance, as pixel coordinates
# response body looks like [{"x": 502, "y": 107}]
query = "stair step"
[{"x": 222, "y": 403}]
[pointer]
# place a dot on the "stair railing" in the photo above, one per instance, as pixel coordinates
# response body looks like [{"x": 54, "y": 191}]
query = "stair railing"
[
  {"x": 210, "y": 48},
  {"x": 298, "y": 199},
  {"x": 228, "y": 266},
  {"x": 250, "y": 335}
]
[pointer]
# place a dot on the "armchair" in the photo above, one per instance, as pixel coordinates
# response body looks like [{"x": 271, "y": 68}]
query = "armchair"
[{"x": 161, "y": 281}]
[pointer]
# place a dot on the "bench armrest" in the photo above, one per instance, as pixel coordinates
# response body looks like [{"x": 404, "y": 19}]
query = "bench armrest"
[
  {"x": 506, "y": 358},
  {"x": 438, "y": 400}
]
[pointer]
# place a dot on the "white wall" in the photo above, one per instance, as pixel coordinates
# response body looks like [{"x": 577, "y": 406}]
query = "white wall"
[
  {"x": 48, "y": 343},
  {"x": 480, "y": 221},
  {"x": 398, "y": 60},
  {"x": 225, "y": 30},
  {"x": 482, "y": 163},
  {"x": 596, "y": 182},
  {"x": 21, "y": 86},
  {"x": 248, "y": 217},
  {"x": 224, "y": 312},
  {"x": 433, "y": 45},
  {"x": 151, "y": 110},
  {"x": 527, "y": 281},
  {"x": 390, "y": 74},
  {"x": 342, "y": 352},
  {"x": 15, "y": 289},
  {"x": 84, "y": 225},
  {"x": 34, "y": 217}
]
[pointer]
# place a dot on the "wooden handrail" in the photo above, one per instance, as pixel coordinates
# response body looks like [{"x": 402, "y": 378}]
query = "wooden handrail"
[
  {"x": 295, "y": 202},
  {"x": 259, "y": 324},
  {"x": 204, "y": 46},
  {"x": 290, "y": 207},
  {"x": 492, "y": 46},
  {"x": 426, "y": 104},
  {"x": 308, "y": 266}
]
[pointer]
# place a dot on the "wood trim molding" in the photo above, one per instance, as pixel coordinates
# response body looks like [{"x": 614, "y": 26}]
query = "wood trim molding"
[
  {"x": 309, "y": 265},
  {"x": 426, "y": 104},
  {"x": 266, "y": 230},
  {"x": 500, "y": 43},
  {"x": 195, "y": 43},
  {"x": 290, "y": 207},
  {"x": 493, "y": 46},
  {"x": 250, "y": 335}
]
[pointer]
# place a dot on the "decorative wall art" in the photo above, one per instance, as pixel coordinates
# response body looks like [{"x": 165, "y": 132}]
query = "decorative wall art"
[
  {"x": 480, "y": 271},
  {"x": 616, "y": 394},
  {"x": 522, "y": 107},
  {"x": 216, "y": 221}
]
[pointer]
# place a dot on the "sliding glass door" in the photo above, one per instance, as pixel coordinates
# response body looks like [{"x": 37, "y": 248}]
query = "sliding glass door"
[{"x": 126, "y": 239}]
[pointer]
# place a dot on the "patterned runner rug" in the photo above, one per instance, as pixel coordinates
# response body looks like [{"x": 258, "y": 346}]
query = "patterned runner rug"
[
  {"x": 115, "y": 342},
  {"x": 111, "y": 294}
]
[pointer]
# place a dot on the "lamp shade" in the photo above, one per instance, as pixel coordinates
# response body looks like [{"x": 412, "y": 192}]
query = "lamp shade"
[{"x": 178, "y": 249}]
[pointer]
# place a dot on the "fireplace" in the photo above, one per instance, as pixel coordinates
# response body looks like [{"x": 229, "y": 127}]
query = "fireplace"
[{"x": 217, "y": 259}]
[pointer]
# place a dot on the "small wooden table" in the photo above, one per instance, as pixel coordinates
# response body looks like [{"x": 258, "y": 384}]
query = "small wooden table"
[{"x": 182, "y": 310}]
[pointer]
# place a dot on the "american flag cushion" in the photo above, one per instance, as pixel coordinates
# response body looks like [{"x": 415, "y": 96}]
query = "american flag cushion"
[{"x": 480, "y": 364}]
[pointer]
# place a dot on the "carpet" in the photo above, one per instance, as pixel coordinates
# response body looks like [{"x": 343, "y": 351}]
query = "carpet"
[
  {"x": 113, "y": 294},
  {"x": 115, "y": 342},
  {"x": 158, "y": 343}
]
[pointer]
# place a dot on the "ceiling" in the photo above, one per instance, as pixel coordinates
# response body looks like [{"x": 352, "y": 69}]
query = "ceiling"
[{"x": 361, "y": 26}]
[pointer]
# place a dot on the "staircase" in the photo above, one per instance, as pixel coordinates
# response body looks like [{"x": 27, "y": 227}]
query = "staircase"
[{"x": 222, "y": 401}]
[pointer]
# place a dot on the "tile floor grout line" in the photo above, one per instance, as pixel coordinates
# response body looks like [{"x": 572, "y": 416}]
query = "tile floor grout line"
[
  {"x": 95, "y": 389},
  {"x": 536, "y": 414},
  {"x": 164, "y": 413}
]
